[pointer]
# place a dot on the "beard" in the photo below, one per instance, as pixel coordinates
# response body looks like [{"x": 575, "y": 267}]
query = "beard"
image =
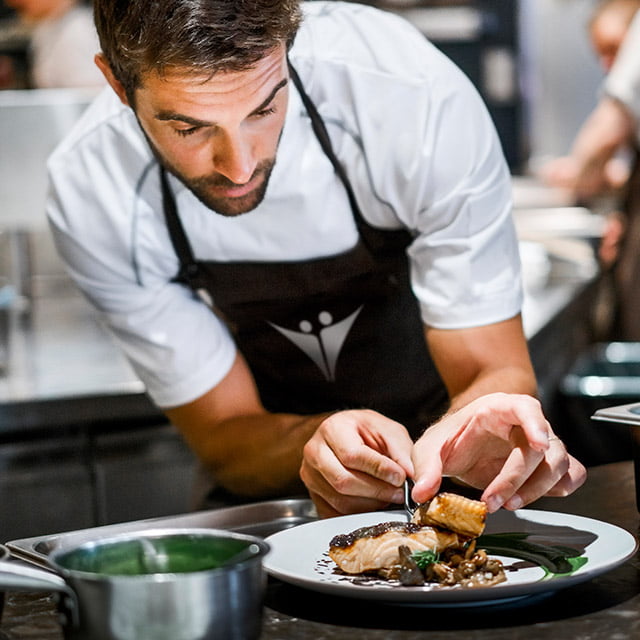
[{"x": 204, "y": 188}]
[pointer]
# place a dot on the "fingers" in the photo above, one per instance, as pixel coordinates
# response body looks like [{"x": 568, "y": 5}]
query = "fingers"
[
  {"x": 501, "y": 436},
  {"x": 368, "y": 442},
  {"x": 346, "y": 490},
  {"x": 499, "y": 413},
  {"x": 330, "y": 503},
  {"x": 520, "y": 467},
  {"x": 522, "y": 480},
  {"x": 428, "y": 454},
  {"x": 570, "y": 481},
  {"x": 356, "y": 461},
  {"x": 500, "y": 442}
]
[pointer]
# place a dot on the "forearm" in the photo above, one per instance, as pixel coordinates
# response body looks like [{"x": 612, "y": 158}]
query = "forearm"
[
  {"x": 255, "y": 455},
  {"x": 508, "y": 379},
  {"x": 608, "y": 128},
  {"x": 605, "y": 130},
  {"x": 248, "y": 450},
  {"x": 477, "y": 361}
]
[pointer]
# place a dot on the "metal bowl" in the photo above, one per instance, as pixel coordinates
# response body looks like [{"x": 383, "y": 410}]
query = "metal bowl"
[{"x": 173, "y": 584}]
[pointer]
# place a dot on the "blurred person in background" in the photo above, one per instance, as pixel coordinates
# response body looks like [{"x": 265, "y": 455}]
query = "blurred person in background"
[
  {"x": 596, "y": 164},
  {"x": 591, "y": 167},
  {"x": 63, "y": 43}
]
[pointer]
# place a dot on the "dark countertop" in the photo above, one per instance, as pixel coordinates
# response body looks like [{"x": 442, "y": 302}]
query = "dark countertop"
[{"x": 605, "y": 607}]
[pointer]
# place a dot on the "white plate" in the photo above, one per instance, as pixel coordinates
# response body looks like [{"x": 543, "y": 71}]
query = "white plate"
[{"x": 299, "y": 556}]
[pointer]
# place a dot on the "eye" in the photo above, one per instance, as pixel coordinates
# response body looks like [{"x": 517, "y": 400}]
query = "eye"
[
  {"x": 265, "y": 112},
  {"x": 187, "y": 132}
]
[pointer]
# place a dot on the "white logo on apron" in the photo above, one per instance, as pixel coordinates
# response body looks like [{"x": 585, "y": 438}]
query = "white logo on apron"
[{"x": 324, "y": 346}]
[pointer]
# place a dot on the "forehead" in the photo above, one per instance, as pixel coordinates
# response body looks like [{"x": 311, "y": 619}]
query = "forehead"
[{"x": 223, "y": 89}]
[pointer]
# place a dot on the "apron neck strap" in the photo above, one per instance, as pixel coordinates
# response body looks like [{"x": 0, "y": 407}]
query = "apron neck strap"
[
  {"x": 189, "y": 268},
  {"x": 322, "y": 135}
]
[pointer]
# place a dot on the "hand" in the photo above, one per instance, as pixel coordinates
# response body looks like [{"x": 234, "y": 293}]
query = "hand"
[
  {"x": 585, "y": 180},
  {"x": 611, "y": 239},
  {"x": 501, "y": 443},
  {"x": 356, "y": 461},
  {"x": 561, "y": 173}
]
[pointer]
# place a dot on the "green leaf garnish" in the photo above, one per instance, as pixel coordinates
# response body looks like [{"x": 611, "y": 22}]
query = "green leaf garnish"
[{"x": 425, "y": 558}]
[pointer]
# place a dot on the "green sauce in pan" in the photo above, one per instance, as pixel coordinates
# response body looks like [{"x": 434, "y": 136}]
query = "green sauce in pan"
[{"x": 144, "y": 556}]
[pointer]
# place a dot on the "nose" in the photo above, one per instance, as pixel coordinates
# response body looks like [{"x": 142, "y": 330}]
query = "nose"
[{"x": 234, "y": 158}]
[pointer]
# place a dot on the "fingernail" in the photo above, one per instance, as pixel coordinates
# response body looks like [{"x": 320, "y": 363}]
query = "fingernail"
[
  {"x": 398, "y": 497},
  {"x": 395, "y": 479},
  {"x": 515, "y": 502},
  {"x": 493, "y": 503}
]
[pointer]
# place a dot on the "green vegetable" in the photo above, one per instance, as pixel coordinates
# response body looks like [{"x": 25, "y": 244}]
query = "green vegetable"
[
  {"x": 425, "y": 558},
  {"x": 555, "y": 559}
]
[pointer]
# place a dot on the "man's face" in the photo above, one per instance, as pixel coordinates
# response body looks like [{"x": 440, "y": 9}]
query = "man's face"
[{"x": 218, "y": 135}]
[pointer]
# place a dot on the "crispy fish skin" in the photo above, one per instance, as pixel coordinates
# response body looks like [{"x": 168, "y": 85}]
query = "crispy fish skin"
[
  {"x": 454, "y": 512},
  {"x": 376, "y": 547}
]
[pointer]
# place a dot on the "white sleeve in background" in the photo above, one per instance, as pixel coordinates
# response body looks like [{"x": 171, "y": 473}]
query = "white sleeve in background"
[
  {"x": 63, "y": 50},
  {"x": 623, "y": 81}
]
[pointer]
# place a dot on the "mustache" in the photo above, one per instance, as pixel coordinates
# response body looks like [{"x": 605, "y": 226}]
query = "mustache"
[{"x": 218, "y": 180}]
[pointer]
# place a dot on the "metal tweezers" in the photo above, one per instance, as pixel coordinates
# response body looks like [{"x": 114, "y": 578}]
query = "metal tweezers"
[{"x": 409, "y": 505}]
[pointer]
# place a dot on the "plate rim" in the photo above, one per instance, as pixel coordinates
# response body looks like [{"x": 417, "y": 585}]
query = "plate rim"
[{"x": 478, "y": 596}]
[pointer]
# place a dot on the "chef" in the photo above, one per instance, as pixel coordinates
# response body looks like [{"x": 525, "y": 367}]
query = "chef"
[{"x": 295, "y": 220}]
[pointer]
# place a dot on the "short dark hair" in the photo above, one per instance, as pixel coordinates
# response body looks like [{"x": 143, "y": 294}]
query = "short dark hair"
[{"x": 204, "y": 36}]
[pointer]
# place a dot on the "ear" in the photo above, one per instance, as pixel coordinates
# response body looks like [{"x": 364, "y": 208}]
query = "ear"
[{"x": 115, "y": 84}]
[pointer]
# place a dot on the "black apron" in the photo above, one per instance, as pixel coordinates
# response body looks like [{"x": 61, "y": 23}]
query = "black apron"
[{"x": 325, "y": 334}]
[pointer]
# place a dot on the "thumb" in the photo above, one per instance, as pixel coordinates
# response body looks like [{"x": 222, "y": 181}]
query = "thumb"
[{"x": 427, "y": 464}]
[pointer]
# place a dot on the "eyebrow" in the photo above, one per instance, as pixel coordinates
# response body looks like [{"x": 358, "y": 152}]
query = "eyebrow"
[{"x": 174, "y": 115}]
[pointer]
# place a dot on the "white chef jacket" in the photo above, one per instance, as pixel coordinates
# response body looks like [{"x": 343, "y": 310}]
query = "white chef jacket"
[{"x": 418, "y": 146}]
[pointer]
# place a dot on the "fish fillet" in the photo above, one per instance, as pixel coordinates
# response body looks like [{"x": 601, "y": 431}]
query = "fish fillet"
[
  {"x": 376, "y": 547},
  {"x": 456, "y": 513}
]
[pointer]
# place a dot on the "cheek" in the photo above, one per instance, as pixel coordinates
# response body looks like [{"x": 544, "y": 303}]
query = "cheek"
[
  {"x": 186, "y": 157},
  {"x": 265, "y": 137}
]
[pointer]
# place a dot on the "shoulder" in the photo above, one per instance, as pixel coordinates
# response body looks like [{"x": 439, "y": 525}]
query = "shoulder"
[
  {"x": 367, "y": 41},
  {"x": 107, "y": 135},
  {"x": 99, "y": 173},
  {"x": 404, "y": 119},
  {"x": 361, "y": 65}
]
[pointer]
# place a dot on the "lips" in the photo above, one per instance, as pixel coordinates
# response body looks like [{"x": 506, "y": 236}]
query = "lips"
[{"x": 231, "y": 190}]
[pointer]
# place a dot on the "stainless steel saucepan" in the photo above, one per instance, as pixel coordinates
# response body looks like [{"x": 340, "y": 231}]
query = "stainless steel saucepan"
[{"x": 159, "y": 584}]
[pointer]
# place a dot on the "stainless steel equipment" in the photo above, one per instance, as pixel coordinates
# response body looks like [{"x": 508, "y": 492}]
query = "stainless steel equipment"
[
  {"x": 159, "y": 584},
  {"x": 258, "y": 519},
  {"x": 627, "y": 414}
]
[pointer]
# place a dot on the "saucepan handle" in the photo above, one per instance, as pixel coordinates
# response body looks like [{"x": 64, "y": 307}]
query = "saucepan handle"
[{"x": 20, "y": 577}]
